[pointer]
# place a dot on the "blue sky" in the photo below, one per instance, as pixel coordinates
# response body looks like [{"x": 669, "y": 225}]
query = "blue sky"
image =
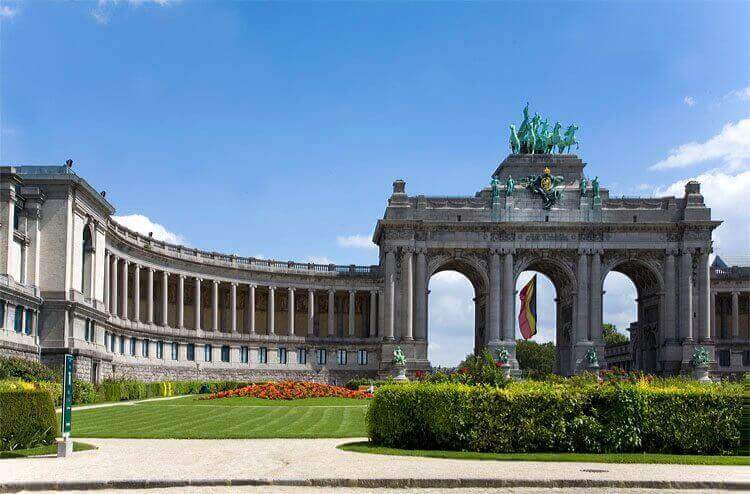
[{"x": 276, "y": 129}]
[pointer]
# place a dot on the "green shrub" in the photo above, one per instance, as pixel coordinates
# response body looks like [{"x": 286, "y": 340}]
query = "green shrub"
[
  {"x": 84, "y": 393},
  {"x": 26, "y": 370},
  {"x": 54, "y": 389},
  {"x": 538, "y": 416},
  {"x": 27, "y": 419}
]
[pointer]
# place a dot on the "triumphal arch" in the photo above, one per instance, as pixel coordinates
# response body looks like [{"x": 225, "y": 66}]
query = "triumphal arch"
[{"x": 542, "y": 213}]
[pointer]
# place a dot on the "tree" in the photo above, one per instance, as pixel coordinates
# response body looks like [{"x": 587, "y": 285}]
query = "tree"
[
  {"x": 535, "y": 359},
  {"x": 611, "y": 336}
]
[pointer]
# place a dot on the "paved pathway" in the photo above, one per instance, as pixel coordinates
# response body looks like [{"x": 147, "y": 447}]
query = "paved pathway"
[
  {"x": 120, "y": 403},
  {"x": 348, "y": 490},
  {"x": 317, "y": 462}
]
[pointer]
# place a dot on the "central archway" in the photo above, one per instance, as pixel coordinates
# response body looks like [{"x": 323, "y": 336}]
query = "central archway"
[{"x": 559, "y": 271}]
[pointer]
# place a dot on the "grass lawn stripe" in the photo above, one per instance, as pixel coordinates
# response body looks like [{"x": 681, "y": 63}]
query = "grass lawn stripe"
[
  {"x": 632, "y": 458},
  {"x": 242, "y": 418}
]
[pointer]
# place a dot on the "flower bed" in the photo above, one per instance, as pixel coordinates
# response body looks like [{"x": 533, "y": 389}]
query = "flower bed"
[{"x": 291, "y": 390}]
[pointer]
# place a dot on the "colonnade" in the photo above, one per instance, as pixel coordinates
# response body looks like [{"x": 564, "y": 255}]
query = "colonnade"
[
  {"x": 728, "y": 328},
  {"x": 118, "y": 301}
]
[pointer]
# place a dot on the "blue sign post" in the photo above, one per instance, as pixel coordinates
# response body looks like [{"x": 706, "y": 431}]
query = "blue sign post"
[{"x": 65, "y": 446}]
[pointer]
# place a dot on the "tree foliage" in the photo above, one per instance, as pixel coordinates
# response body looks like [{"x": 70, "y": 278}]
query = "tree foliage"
[
  {"x": 535, "y": 359},
  {"x": 611, "y": 336}
]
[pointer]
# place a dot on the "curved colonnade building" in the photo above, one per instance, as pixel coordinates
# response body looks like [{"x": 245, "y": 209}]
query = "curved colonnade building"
[{"x": 128, "y": 305}]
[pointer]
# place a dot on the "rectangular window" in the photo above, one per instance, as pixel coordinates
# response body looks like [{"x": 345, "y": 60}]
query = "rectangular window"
[
  {"x": 30, "y": 323},
  {"x": 175, "y": 350},
  {"x": 724, "y": 358},
  {"x": 225, "y": 353},
  {"x": 160, "y": 349},
  {"x": 263, "y": 355},
  {"x": 244, "y": 355},
  {"x": 18, "y": 323},
  {"x": 341, "y": 357},
  {"x": 302, "y": 356},
  {"x": 322, "y": 356},
  {"x": 207, "y": 351},
  {"x": 112, "y": 342},
  {"x": 133, "y": 343},
  {"x": 191, "y": 352},
  {"x": 122, "y": 345},
  {"x": 282, "y": 355},
  {"x": 144, "y": 348},
  {"x": 2, "y": 313},
  {"x": 362, "y": 357},
  {"x": 16, "y": 218},
  {"x": 746, "y": 358},
  {"x": 106, "y": 340}
]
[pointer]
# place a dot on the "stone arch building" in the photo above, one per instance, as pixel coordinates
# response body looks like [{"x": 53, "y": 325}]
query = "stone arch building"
[{"x": 125, "y": 304}]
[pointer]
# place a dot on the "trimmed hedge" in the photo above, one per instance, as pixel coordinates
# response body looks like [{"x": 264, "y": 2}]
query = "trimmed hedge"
[
  {"x": 536, "y": 417},
  {"x": 130, "y": 389},
  {"x": 27, "y": 419},
  {"x": 26, "y": 370}
]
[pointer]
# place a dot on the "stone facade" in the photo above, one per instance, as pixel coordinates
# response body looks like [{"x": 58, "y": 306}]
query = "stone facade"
[{"x": 126, "y": 304}]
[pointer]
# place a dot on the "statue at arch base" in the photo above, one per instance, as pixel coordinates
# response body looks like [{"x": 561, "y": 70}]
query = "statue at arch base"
[{"x": 399, "y": 365}]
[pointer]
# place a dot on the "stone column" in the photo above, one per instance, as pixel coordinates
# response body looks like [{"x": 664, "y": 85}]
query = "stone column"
[
  {"x": 106, "y": 279},
  {"x": 390, "y": 292},
  {"x": 310, "y": 312},
  {"x": 582, "y": 297},
  {"x": 735, "y": 315},
  {"x": 197, "y": 302},
  {"x": 686, "y": 295},
  {"x": 124, "y": 289},
  {"x": 704, "y": 304},
  {"x": 373, "y": 313},
  {"x": 271, "y": 310},
  {"x": 181, "y": 301},
  {"x": 670, "y": 288},
  {"x": 150, "y": 296},
  {"x": 233, "y": 307},
  {"x": 250, "y": 309},
  {"x": 713, "y": 316},
  {"x": 215, "y": 305},
  {"x": 113, "y": 308},
  {"x": 407, "y": 293},
  {"x": 291, "y": 311},
  {"x": 508, "y": 298},
  {"x": 136, "y": 293},
  {"x": 165, "y": 299},
  {"x": 420, "y": 297},
  {"x": 352, "y": 302},
  {"x": 381, "y": 313},
  {"x": 331, "y": 312},
  {"x": 595, "y": 310},
  {"x": 494, "y": 321}
]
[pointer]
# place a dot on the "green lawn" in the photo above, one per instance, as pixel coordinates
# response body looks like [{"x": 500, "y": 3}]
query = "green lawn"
[
  {"x": 228, "y": 418},
  {"x": 43, "y": 450},
  {"x": 365, "y": 447}
]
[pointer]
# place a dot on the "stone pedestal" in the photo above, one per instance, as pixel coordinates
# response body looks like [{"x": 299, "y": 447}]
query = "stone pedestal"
[
  {"x": 700, "y": 373},
  {"x": 505, "y": 367},
  {"x": 64, "y": 447},
  {"x": 400, "y": 372}
]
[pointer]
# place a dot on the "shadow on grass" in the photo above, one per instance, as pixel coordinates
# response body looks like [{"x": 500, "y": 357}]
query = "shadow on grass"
[{"x": 642, "y": 458}]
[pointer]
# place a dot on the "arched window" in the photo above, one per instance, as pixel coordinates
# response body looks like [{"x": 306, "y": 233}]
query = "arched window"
[{"x": 87, "y": 264}]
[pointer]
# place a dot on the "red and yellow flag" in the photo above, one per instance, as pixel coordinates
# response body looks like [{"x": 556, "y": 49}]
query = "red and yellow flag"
[{"x": 527, "y": 314}]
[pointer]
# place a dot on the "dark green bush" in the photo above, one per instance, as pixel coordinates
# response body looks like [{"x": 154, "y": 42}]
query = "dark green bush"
[
  {"x": 534, "y": 417},
  {"x": 26, "y": 370},
  {"x": 84, "y": 393},
  {"x": 27, "y": 419}
]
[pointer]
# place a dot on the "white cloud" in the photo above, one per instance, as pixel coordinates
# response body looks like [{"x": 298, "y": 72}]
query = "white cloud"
[
  {"x": 619, "y": 306},
  {"x": 318, "y": 260},
  {"x": 104, "y": 9},
  {"x": 689, "y": 100},
  {"x": 739, "y": 94},
  {"x": 142, "y": 224},
  {"x": 450, "y": 319},
  {"x": 731, "y": 146},
  {"x": 726, "y": 195},
  {"x": 356, "y": 241},
  {"x": 7, "y": 12}
]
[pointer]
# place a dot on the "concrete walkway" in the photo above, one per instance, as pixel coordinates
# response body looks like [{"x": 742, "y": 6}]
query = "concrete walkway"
[{"x": 133, "y": 463}]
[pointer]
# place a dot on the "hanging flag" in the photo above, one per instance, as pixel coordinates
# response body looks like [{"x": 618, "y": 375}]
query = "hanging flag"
[{"x": 527, "y": 314}]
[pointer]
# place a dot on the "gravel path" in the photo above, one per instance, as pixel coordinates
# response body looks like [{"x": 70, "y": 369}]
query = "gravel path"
[{"x": 319, "y": 462}]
